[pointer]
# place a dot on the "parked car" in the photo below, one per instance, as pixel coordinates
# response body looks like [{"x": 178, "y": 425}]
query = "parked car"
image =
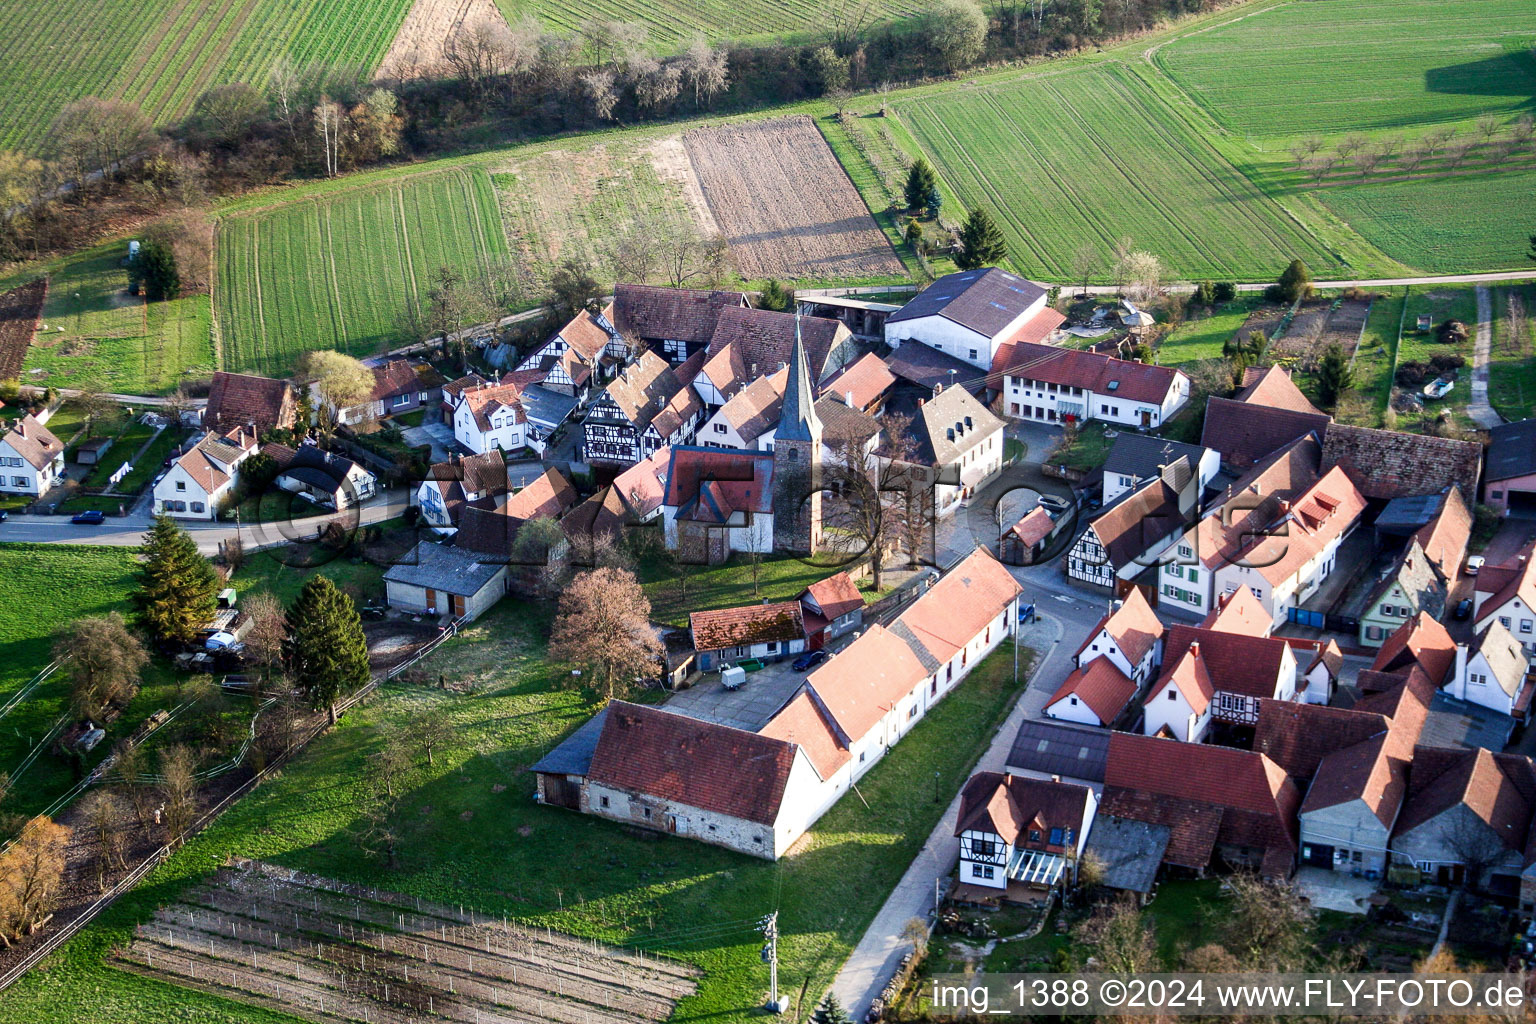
[
  {"x": 219, "y": 640},
  {"x": 94, "y": 517},
  {"x": 809, "y": 659},
  {"x": 1475, "y": 564},
  {"x": 1055, "y": 504},
  {"x": 1463, "y": 610},
  {"x": 4, "y": 515}
]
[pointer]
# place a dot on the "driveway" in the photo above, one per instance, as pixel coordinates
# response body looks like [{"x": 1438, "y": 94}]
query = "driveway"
[
  {"x": 439, "y": 435},
  {"x": 750, "y": 707}
]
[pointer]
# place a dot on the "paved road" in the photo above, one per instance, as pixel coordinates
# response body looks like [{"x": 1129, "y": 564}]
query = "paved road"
[
  {"x": 1064, "y": 621},
  {"x": 1482, "y": 413},
  {"x": 128, "y": 531}
]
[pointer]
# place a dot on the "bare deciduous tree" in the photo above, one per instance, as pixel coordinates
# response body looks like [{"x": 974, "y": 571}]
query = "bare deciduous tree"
[
  {"x": 329, "y": 121},
  {"x": 103, "y": 812},
  {"x": 1085, "y": 263},
  {"x": 1121, "y": 938},
  {"x": 706, "y": 69},
  {"x": 602, "y": 92},
  {"x": 431, "y": 732},
  {"x": 1267, "y": 924},
  {"x": 94, "y": 135},
  {"x": 178, "y": 785},
  {"x": 604, "y": 626},
  {"x": 103, "y": 660},
  {"x": 31, "y": 877}
]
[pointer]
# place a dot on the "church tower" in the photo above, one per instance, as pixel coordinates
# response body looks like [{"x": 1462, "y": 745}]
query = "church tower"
[{"x": 797, "y": 461}]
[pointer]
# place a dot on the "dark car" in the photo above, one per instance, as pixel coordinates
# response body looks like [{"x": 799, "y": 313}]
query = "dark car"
[
  {"x": 1463, "y": 610},
  {"x": 4, "y": 515},
  {"x": 94, "y": 517},
  {"x": 1055, "y": 504},
  {"x": 809, "y": 659}
]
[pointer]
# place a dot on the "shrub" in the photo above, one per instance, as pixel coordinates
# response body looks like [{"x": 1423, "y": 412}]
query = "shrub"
[
  {"x": 1205, "y": 294},
  {"x": 1273, "y": 293},
  {"x": 1225, "y": 291},
  {"x": 1296, "y": 282}
]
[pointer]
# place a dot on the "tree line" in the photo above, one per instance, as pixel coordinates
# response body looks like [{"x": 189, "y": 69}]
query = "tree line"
[{"x": 512, "y": 82}]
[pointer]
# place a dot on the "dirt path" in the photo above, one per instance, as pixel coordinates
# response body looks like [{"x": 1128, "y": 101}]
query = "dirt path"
[{"x": 1482, "y": 413}]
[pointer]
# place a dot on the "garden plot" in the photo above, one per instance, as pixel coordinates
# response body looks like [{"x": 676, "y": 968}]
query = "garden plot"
[
  {"x": 19, "y": 310},
  {"x": 1345, "y": 325},
  {"x": 326, "y": 950},
  {"x": 787, "y": 207},
  {"x": 1302, "y": 342}
]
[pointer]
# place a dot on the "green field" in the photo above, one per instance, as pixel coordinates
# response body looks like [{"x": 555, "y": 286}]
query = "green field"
[
  {"x": 161, "y": 53},
  {"x": 470, "y": 832},
  {"x": 1094, "y": 155},
  {"x": 338, "y": 269},
  {"x": 97, "y": 335},
  {"x": 1443, "y": 226},
  {"x": 1331, "y": 65}
]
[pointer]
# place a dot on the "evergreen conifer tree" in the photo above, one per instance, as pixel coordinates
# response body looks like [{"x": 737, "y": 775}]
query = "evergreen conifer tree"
[
  {"x": 831, "y": 1012},
  {"x": 176, "y": 584},
  {"x": 326, "y": 652},
  {"x": 981, "y": 242},
  {"x": 920, "y": 181}
]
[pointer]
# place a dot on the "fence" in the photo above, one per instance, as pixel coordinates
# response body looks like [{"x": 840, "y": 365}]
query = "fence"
[{"x": 67, "y": 931}]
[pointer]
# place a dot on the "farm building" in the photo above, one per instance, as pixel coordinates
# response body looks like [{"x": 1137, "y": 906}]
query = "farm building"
[
  {"x": 973, "y": 314},
  {"x": 675, "y": 322},
  {"x": 864, "y": 319},
  {"x": 863, "y": 384},
  {"x": 831, "y": 608},
  {"x": 751, "y": 343},
  {"x": 241, "y": 399},
  {"x": 1060, "y": 385},
  {"x": 765, "y": 632},
  {"x": 445, "y": 580},
  {"x": 1247, "y": 435}
]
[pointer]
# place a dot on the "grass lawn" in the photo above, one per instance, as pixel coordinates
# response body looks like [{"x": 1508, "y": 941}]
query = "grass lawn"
[
  {"x": 1201, "y": 337},
  {"x": 1366, "y": 404},
  {"x": 471, "y": 833},
  {"x": 780, "y": 578},
  {"x": 1444, "y": 302},
  {"x": 133, "y": 436},
  {"x": 409, "y": 419},
  {"x": 145, "y": 468},
  {"x": 1512, "y": 370},
  {"x": 1085, "y": 450},
  {"x": 98, "y": 335}
]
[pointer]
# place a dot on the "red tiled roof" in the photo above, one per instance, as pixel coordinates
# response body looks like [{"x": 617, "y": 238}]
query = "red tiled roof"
[
  {"x": 1187, "y": 785},
  {"x": 835, "y": 596},
  {"x": 670, "y": 314},
  {"x": 648, "y": 390},
  {"x": 866, "y": 680},
  {"x": 1008, "y": 805},
  {"x": 751, "y": 343},
  {"x": 1033, "y": 331},
  {"x": 484, "y": 401},
  {"x": 867, "y": 378},
  {"x": 642, "y": 486},
  {"x": 585, "y": 336},
  {"x": 476, "y": 474},
  {"x": 1298, "y": 736},
  {"x": 1500, "y": 789},
  {"x": 959, "y": 606},
  {"x": 550, "y": 495},
  {"x": 1133, "y": 626},
  {"x": 750, "y": 624},
  {"x": 1239, "y": 612},
  {"x": 1391, "y": 464},
  {"x": 803, "y": 723},
  {"x": 692, "y": 762},
  {"x": 1136, "y": 382},
  {"x": 1320, "y": 514},
  {"x": 1036, "y": 525},
  {"x": 1246, "y": 434},
  {"x": 1420, "y": 640},
  {"x": 235, "y": 399},
  {"x": 1139, "y": 521},
  {"x": 396, "y": 377},
  {"x": 1253, "y": 502},
  {"x": 1101, "y": 686},
  {"x": 1505, "y": 582},
  {"x": 1274, "y": 388},
  {"x": 743, "y": 480},
  {"x": 1236, "y": 663},
  {"x": 1444, "y": 538},
  {"x": 1190, "y": 674}
]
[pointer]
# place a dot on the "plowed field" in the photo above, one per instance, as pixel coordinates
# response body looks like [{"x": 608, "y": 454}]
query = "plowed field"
[{"x": 19, "y": 309}]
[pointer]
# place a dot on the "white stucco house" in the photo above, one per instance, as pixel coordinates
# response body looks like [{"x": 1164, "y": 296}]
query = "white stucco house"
[
  {"x": 31, "y": 458},
  {"x": 199, "y": 481}
]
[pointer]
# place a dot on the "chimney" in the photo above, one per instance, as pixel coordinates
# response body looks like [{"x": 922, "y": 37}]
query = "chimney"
[
  {"x": 1459, "y": 680},
  {"x": 1055, "y": 778},
  {"x": 919, "y": 403},
  {"x": 1285, "y": 507},
  {"x": 1194, "y": 649},
  {"x": 21, "y": 426},
  {"x": 937, "y": 390},
  {"x": 848, "y": 399}
]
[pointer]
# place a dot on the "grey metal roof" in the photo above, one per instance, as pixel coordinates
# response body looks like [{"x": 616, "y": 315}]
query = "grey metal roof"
[
  {"x": 574, "y": 754},
  {"x": 1140, "y": 455},
  {"x": 546, "y": 406},
  {"x": 1056, "y": 748},
  {"x": 985, "y": 300},
  {"x": 441, "y": 567},
  {"x": 1511, "y": 451},
  {"x": 902, "y": 630},
  {"x": 1131, "y": 851},
  {"x": 1403, "y": 516}
]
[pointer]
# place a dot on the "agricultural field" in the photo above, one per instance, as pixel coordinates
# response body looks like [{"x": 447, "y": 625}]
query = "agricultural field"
[
  {"x": 568, "y": 203},
  {"x": 1444, "y": 225},
  {"x": 1093, "y": 155},
  {"x": 340, "y": 269},
  {"x": 160, "y": 54},
  {"x": 1422, "y": 61},
  {"x": 471, "y": 834},
  {"x": 19, "y": 310},
  {"x": 755, "y": 175},
  {"x": 94, "y": 334}
]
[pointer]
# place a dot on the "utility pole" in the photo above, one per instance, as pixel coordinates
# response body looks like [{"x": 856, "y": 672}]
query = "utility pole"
[{"x": 770, "y": 929}]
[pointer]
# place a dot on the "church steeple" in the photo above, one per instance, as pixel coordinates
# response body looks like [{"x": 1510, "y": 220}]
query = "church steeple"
[{"x": 798, "y": 420}]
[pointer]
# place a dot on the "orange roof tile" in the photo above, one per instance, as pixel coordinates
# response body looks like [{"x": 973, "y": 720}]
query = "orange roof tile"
[
  {"x": 866, "y": 680},
  {"x": 803, "y": 723},
  {"x": 1101, "y": 686},
  {"x": 958, "y": 607}
]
